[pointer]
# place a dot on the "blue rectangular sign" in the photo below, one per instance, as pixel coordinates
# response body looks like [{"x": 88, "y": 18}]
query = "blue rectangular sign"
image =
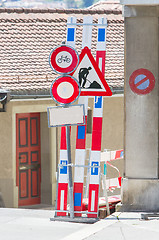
[
  {"x": 63, "y": 170},
  {"x": 94, "y": 169}
]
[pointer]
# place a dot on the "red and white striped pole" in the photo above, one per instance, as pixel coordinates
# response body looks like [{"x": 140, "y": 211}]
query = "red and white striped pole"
[
  {"x": 97, "y": 126},
  {"x": 63, "y": 172},
  {"x": 63, "y": 177},
  {"x": 81, "y": 130}
]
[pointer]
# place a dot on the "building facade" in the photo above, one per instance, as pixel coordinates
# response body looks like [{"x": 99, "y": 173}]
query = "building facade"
[{"x": 29, "y": 149}]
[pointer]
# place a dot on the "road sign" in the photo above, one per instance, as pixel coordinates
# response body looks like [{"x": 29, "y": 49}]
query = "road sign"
[
  {"x": 142, "y": 81},
  {"x": 63, "y": 59},
  {"x": 65, "y": 89},
  {"x": 90, "y": 77},
  {"x": 61, "y": 116}
]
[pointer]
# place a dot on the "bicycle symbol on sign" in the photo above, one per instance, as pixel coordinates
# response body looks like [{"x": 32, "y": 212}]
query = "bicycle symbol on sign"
[{"x": 63, "y": 59}]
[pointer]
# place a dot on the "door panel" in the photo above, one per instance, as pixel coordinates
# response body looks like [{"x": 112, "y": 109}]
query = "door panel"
[
  {"x": 34, "y": 183},
  {"x": 28, "y": 158},
  {"x": 23, "y": 132},
  {"x": 34, "y": 131},
  {"x": 23, "y": 182}
]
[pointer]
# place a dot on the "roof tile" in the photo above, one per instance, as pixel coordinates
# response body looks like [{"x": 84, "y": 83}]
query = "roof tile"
[{"x": 28, "y": 35}]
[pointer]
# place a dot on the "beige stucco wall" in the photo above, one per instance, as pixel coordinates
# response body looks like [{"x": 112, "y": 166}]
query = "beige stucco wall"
[
  {"x": 113, "y": 123},
  {"x": 8, "y": 151},
  {"x": 6, "y": 164}
]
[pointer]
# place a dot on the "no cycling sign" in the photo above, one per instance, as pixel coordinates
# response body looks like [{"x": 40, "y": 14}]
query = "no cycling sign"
[{"x": 63, "y": 59}]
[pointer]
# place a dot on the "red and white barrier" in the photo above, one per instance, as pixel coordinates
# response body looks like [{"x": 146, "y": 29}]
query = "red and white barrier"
[
  {"x": 112, "y": 200},
  {"x": 63, "y": 176},
  {"x": 97, "y": 126},
  {"x": 95, "y": 157},
  {"x": 112, "y": 155},
  {"x": 81, "y": 131},
  {"x": 113, "y": 183},
  {"x": 107, "y": 157}
]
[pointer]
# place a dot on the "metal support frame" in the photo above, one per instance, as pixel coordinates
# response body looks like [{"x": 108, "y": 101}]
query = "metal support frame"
[
  {"x": 70, "y": 172},
  {"x": 88, "y": 24}
]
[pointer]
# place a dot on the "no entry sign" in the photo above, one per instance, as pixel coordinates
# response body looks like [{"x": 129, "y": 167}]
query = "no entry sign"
[
  {"x": 65, "y": 90},
  {"x": 142, "y": 81},
  {"x": 63, "y": 59}
]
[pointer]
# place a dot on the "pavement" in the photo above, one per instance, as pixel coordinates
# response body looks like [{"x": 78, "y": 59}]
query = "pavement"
[{"x": 24, "y": 224}]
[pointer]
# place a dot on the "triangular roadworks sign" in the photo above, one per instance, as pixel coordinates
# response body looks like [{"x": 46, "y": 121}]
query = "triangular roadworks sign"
[{"x": 90, "y": 77}]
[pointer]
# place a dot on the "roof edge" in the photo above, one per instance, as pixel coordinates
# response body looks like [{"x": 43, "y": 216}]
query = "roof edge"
[
  {"x": 55, "y": 10},
  {"x": 46, "y": 93}
]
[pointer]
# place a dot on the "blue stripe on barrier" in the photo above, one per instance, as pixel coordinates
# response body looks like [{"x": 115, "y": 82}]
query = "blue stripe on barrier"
[
  {"x": 77, "y": 199},
  {"x": 122, "y": 154},
  {"x": 81, "y": 132},
  {"x": 98, "y": 102},
  {"x": 101, "y": 35},
  {"x": 71, "y": 34}
]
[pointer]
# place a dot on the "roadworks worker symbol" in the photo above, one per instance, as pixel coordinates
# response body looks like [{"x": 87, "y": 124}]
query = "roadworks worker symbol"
[
  {"x": 84, "y": 79},
  {"x": 90, "y": 77}
]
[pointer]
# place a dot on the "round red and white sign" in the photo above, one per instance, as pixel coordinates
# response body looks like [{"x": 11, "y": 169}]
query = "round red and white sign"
[
  {"x": 65, "y": 89},
  {"x": 64, "y": 59},
  {"x": 142, "y": 81}
]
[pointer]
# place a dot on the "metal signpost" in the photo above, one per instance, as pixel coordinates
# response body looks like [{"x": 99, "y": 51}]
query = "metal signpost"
[{"x": 65, "y": 90}]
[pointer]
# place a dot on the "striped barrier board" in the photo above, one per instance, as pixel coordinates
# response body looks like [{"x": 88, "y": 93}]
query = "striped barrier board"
[
  {"x": 112, "y": 200},
  {"x": 95, "y": 157},
  {"x": 107, "y": 157},
  {"x": 97, "y": 127},
  {"x": 81, "y": 132},
  {"x": 112, "y": 155},
  {"x": 113, "y": 183},
  {"x": 63, "y": 176},
  {"x": 80, "y": 160},
  {"x": 116, "y": 154}
]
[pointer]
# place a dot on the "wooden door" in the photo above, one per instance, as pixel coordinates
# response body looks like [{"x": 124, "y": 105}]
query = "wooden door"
[{"x": 28, "y": 163}]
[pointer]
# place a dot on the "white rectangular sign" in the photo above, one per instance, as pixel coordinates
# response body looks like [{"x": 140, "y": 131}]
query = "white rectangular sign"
[{"x": 66, "y": 115}]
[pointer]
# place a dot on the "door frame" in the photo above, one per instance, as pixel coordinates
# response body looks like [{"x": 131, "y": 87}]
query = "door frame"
[
  {"x": 30, "y": 169},
  {"x": 32, "y": 106}
]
